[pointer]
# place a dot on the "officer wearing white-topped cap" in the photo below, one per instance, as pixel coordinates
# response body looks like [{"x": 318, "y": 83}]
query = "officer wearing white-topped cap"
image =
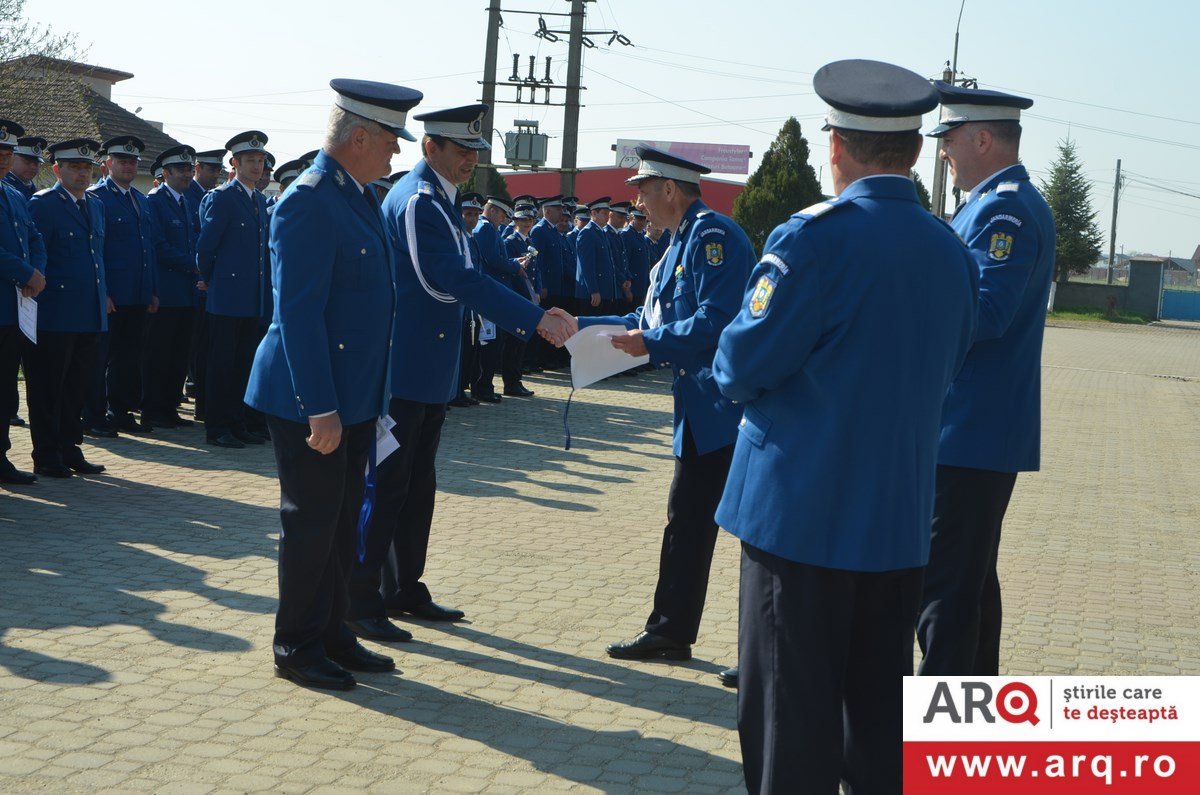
[
  {"x": 698, "y": 291},
  {"x": 27, "y": 159},
  {"x": 321, "y": 376},
  {"x": 72, "y": 311},
  {"x": 991, "y": 422},
  {"x": 496, "y": 263},
  {"x": 130, "y": 274},
  {"x": 231, "y": 254},
  {"x": 22, "y": 267},
  {"x": 434, "y": 283},
  {"x": 169, "y": 330},
  {"x": 856, "y": 320}
]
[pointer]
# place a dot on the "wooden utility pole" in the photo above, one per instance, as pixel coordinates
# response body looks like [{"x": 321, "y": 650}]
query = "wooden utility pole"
[{"x": 1112, "y": 235}]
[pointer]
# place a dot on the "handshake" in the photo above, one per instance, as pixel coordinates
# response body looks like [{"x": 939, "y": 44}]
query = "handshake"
[{"x": 558, "y": 325}]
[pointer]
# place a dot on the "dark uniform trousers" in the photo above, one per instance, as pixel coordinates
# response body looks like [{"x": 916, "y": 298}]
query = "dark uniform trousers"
[
  {"x": 123, "y": 359},
  {"x": 491, "y": 357},
  {"x": 511, "y": 360},
  {"x": 822, "y": 654},
  {"x": 232, "y": 342},
  {"x": 959, "y": 624},
  {"x": 58, "y": 370},
  {"x": 319, "y": 501},
  {"x": 10, "y": 359},
  {"x": 468, "y": 362},
  {"x": 252, "y": 418},
  {"x": 389, "y": 577},
  {"x": 688, "y": 541},
  {"x": 198, "y": 364},
  {"x": 165, "y": 363}
]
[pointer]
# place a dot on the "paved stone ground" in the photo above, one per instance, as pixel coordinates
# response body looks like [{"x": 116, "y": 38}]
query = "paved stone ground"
[{"x": 136, "y": 606}]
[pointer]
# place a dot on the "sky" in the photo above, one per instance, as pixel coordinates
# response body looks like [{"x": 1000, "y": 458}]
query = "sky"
[{"x": 1117, "y": 78}]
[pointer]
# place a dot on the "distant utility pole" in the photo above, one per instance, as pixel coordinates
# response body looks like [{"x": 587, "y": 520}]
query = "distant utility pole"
[
  {"x": 484, "y": 175},
  {"x": 949, "y": 75},
  {"x": 570, "y": 152},
  {"x": 1112, "y": 235}
]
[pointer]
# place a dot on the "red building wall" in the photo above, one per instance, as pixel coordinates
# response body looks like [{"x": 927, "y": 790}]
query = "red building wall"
[{"x": 592, "y": 183}]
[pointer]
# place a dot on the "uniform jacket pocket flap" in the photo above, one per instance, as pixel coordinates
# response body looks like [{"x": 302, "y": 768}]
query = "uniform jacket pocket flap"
[{"x": 754, "y": 425}]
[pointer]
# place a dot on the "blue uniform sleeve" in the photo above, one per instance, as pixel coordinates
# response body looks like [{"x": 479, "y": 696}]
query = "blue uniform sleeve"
[
  {"x": 719, "y": 292},
  {"x": 778, "y": 325},
  {"x": 37, "y": 245},
  {"x": 494, "y": 253},
  {"x": 213, "y": 220},
  {"x": 12, "y": 265},
  {"x": 630, "y": 321},
  {"x": 437, "y": 256},
  {"x": 1006, "y": 248},
  {"x": 302, "y": 266}
]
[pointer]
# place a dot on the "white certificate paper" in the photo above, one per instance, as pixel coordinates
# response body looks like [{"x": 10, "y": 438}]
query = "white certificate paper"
[
  {"x": 593, "y": 357},
  {"x": 27, "y": 316}
]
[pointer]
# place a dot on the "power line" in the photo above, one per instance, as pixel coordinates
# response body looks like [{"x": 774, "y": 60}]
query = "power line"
[
  {"x": 1095, "y": 105},
  {"x": 704, "y": 99},
  {"x": 1166, "y": 189},
  {"x": 1094, "y": 128}
]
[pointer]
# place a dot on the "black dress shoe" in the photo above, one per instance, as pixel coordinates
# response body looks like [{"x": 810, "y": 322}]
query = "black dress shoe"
[
  {"x": 648, "y": 646},
  {"x": 460, "y": 402},
  {"x": 85, "y": 467},
  {"x": 14, "y": 477},
  {"x": 729, "y": 677},
  {"x": 470, "y": 400},
  {"x": 128, "y": 424},
  {"x": 16, "y": 421},
  {"x": 379, "y": 629},
  {"x": 324, "y": 673},
  {"x": 100, "y": 432},
  {"x": 430, "y": 611},
  {"x": 518, "y": 391},
  {"x": 52, "y": 471},
  {"x": 359, "y": 658},
  {"x": 247, "y": 437},
  {"x": 170, "y": 420},
  {"x": 226, "y": 440},
  {"x": 492, "y": 398}
]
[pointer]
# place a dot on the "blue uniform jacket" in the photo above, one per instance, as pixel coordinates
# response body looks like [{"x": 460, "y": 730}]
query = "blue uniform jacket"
[
  {"x": 434, "y": 279},
  {"x": 231, "y": 252},
  {"x": 616, "y": 245},
  {"x": 857, "y": 318},
  {"x": 26, "y": 190},
  {"x": 660, "y": 248},
  {"x": 699, "y": 291},
  {"x": 568, "y": 263},
  {"x": 551, "y": 252},
  {"x": 128, "y": 244},
  {"x": 329, "y": 344},
  {"x": 174, "y": 249},
  {"x": 493, "y": 254},
  {"x": 75, "y": 295},
  {"x": 637, "y": 256},
  {"x": 22, "y": 251},
  {"x": 194, "y": 195},
  {"x": 992, "y": 417},
  {"x": 517, "y": 246},
  {"x": 595, "y": 271}
]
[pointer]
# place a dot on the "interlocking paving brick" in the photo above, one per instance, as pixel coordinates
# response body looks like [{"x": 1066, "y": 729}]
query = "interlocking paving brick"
[{"x": 138, "y": 604}]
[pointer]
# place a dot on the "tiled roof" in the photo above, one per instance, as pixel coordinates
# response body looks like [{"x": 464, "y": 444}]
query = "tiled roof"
[{"x": 58, "y": 107}]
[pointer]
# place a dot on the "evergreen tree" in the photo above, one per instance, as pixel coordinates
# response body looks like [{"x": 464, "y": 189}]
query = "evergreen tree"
[
  {"x": 498, "y": 187},
  {"x": 784, "y": 183},
  {"x": 1069, "y": 195},
  {"x": 922, "y": 193}
]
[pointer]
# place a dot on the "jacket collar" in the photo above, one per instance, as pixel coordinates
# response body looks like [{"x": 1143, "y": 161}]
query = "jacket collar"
[
  {"x": 349, "y": 189},
  {"x": 882, "y": 186},
  {"x": 1012, "y": 173}
]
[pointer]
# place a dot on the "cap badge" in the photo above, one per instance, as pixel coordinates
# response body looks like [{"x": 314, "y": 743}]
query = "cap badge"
[
  {"x": 254, "y": 143},
  {"x": 84, "y": 150},
  {"x": 475, "y": 127}
]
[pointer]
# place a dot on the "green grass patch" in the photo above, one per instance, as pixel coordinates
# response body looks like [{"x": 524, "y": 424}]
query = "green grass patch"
[{"x": 1088, "y": 315}]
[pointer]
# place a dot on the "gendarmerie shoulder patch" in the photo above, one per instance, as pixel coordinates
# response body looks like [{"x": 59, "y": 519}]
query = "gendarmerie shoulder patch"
[
  {"x": 760, "y": 299},
  {"x": 309, "y": 179}
]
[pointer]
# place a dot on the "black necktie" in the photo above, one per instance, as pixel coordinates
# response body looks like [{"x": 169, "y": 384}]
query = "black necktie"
[
  {"x": 182, "y": 206},
  {"x": 129, "y": 198},
  {"x": 87, "y": 219}
]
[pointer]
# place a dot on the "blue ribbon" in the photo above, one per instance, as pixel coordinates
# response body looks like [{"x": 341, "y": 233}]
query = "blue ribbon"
[
  {"x": 567, "y": 427},
  {"x": 364, "y": 513}
]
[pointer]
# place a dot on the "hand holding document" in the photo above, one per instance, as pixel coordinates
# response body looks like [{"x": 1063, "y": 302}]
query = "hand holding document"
[
  {"x": 27, "y": 316},
  {"x": 593, "y": 356}
]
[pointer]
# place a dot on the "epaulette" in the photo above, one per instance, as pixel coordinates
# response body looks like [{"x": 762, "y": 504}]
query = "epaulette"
[
  {"x": 819, "y": 209},
  {"x": 1008, "y": 187},
  {"x": 44, "y": 191},
  {"x": 425, "y": 188},
  {"x": 309, "y": 179}
]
